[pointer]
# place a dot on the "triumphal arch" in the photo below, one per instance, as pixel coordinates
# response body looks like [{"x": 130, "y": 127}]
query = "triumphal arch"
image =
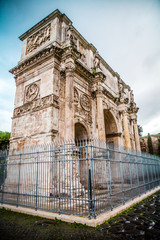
[{"x": 66, "y": 90}]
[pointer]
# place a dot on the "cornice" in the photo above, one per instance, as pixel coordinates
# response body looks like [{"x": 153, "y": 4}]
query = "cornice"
[
  {"x": 44, "y": 21},
  {"x": 83, "y": 72},
  {"x": 109, "y": 95},
  {"x": 37, "y": 59}
]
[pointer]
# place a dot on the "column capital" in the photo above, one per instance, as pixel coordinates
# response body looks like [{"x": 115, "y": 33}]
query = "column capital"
[
  {"x": 70, "y": 66},
  {"x": 134, "y": 121},
  {"x": 70, "y": 52},
  {"x": 99, "y": 77}
]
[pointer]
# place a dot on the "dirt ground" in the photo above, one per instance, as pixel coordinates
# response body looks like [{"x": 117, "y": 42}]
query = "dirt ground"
[{"x": 139, "y": 222}]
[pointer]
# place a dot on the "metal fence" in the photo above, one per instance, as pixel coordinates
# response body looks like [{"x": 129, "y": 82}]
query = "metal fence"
[{"x": 85, "y": 177}]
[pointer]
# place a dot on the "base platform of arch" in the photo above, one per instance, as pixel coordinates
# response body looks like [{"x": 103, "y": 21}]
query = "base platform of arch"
[{"x": 100, "y": 219}]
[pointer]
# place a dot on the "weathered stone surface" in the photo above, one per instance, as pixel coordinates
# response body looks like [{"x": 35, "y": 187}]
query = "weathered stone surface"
[{"x": 62, "y": 80}]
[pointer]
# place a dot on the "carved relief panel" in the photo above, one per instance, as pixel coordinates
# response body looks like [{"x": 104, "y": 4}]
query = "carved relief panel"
[
  {"x": 32, "y": 92},
  {"x": 39, "y": 38},
  {"x": 82, "y": 105}
]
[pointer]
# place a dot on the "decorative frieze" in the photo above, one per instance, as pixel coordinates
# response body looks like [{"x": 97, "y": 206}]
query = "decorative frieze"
[
  {"x": 36, "y": 59},
  {"x": 39, "y": 38},
  {"x": 76, "y": 96},
  {"x": 36, "y": 105}
]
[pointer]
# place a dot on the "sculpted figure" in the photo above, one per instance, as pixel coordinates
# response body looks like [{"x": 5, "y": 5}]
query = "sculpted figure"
[
  {"x": 96, "y": 62},
  {"x": 69, "y": 34},
  {"x": 131, "y": 97}
]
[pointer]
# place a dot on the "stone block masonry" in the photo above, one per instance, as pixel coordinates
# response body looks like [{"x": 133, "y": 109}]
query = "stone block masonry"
[{"x": 64, "y": 88}]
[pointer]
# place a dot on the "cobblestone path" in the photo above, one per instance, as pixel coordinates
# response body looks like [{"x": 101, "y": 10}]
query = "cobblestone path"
[{"x": 140, "y": 222}]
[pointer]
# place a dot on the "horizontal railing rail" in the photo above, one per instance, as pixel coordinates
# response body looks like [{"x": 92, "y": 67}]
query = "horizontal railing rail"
[{"x": 82, "y": 177}]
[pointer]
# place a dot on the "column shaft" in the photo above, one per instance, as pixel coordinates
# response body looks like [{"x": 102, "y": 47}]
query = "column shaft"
[
  {"x": 126, "y": 131},
  {"x": 100, "y": 118},
  {"x": 138, "y": 148},
  {"x": 69, "y": 105}
]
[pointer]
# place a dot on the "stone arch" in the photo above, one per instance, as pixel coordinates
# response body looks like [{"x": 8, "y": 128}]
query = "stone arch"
[
  {"x": 80, "y": 131},
  {"x": 81, "y": 135},
  {"x": 111, "y": 127}
]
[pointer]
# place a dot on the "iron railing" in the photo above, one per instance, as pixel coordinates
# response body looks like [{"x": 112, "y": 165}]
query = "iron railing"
[{"x": 84, "y": 177}]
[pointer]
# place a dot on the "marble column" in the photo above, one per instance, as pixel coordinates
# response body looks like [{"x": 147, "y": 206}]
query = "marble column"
[
  {"x": 132, "y": 136},
  {"x": 126, "y": 130},
  {"x": 137, "y": 142},
  {"x": 100, "y": 114},
  {"x": 69, "y": 101}
]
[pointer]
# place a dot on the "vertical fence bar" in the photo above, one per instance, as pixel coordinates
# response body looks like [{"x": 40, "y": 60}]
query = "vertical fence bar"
[
  {"x": 90, "y": 188},
  {"x": 151, "y": 167},
  {"x": 121, "y": 173},
  {"x": 144, "y": 183},
  {"x": 137, "y": 174},
  {"x": 89, "y": 213},
  {"x": 154, "y": 173},
  {"x": 109, "y": 173},
  {"x": 4, "y": 176},
  {"x": 59, "y": 207},
  {"x": 92, "y": 165},
  {"x": 130, "y": 175},
  {"x": 36, "y": 182},
  {"x": 19, "y": 178}
]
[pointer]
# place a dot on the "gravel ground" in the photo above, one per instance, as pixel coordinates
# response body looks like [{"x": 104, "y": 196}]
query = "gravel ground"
[{"x": 139, "y": 222}]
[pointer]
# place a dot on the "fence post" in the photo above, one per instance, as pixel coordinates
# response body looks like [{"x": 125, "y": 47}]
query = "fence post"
[
  {"x": 19, "y": 178},
  {"x": 109, "y": 173},
  {"x": 121, "y": 172},
  {"x": 36, "y": 181}
]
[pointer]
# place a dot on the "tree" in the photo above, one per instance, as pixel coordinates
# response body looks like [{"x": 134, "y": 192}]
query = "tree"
[
  {"x": 4, "y": 140},
  {"x": 140, "y": 130},
  {"x": 150, "y": 146}
]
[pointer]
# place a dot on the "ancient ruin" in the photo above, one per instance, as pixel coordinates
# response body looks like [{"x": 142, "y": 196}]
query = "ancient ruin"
[{"x": 66, "y": 90}]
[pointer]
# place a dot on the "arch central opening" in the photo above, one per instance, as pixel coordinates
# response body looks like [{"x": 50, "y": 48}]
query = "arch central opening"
[
  {"x": 80, "y": 132},
  {"x": 111, "y": 130},
  {"x": 80, "y": 136}
]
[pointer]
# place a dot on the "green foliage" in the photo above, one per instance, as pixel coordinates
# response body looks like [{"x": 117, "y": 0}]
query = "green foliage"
[
  {"x": 4, "y": 140},
  {"x": 150, "y": 146},
  {"x": 140, "y": 130},
  {"x": 94, "y": 71}
]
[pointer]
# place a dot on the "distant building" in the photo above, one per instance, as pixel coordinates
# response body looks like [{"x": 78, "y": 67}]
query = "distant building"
[{"x": 66, "y": 90}]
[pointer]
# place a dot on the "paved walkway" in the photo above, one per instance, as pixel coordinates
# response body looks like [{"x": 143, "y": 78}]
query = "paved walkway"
[{"x": 139, "y": 222}]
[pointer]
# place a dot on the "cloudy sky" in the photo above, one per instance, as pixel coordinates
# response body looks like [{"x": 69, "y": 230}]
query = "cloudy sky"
[{"x": 125, "y": 32}]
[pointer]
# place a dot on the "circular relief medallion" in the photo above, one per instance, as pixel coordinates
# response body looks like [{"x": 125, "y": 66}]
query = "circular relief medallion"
[
  {"x": 32, "y": 92},
  {"x": 85, "y": 102}
]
